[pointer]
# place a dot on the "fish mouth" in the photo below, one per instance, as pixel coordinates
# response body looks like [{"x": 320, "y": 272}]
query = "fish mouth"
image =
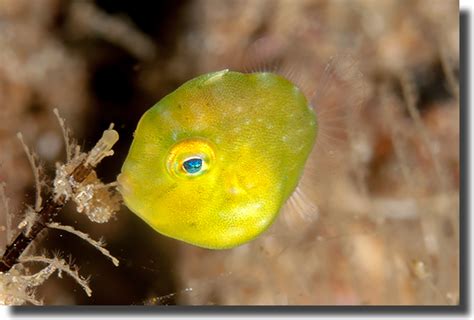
[{"x": 123, "y": 185}]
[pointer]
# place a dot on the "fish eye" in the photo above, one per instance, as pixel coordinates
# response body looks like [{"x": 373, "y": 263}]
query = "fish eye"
[
  {"x": 190, "y": 158},
  {"x": 192, "y": 165}
]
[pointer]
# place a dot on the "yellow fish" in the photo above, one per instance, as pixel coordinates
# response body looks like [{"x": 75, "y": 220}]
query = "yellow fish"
[{"x": 213, "y": 162}]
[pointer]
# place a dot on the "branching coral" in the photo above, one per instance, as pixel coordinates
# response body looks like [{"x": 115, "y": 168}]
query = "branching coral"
[{"x": 75, "y": 180}]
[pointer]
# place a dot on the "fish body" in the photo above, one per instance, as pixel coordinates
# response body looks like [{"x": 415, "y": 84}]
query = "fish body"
[{"x": 213, "y": 162}]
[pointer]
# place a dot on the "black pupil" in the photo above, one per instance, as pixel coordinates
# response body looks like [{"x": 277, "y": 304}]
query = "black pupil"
[{"x": 192, "y": 165}]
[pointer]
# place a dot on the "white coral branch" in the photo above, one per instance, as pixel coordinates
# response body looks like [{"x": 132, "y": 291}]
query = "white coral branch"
[
  {"x": 91, "y": 196},
  {"x": 31, "y": 158},
  {"x": 38, "y": 278},
  {"x": 31, "y": 216},
  {"x": 61, "y": 266},
  {"x": 103, "y": 147},
  {"x": 66, "y": 135},
  {"x": 99, "y": 245},
  {"x": 18, "y": 298}
]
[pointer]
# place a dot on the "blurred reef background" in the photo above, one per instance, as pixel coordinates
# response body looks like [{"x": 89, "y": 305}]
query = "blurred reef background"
[{"x": 387, "y": 231}]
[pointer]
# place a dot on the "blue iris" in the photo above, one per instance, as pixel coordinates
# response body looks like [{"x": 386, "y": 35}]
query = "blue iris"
[{"x": 192, "y": 165}]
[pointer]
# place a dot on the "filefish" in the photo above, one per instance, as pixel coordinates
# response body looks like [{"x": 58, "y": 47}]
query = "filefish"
[{"x": 213, "y": 162}]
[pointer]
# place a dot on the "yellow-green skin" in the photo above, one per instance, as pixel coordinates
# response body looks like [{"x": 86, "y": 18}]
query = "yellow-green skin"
[{"x": 254, "y": 131}]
